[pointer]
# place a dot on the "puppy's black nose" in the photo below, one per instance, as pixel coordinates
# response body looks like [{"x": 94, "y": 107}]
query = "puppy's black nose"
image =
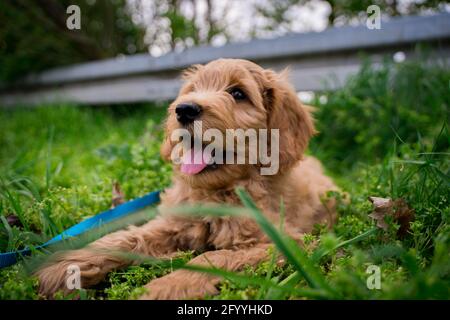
[{"x": 187, "y": 112}]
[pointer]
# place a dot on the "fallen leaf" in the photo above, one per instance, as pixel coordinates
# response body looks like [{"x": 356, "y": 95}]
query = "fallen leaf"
[
  {"x": 398, "y": 209},
  {"x": 403, "y": 215},
  {"x": 381, "y": 207}
]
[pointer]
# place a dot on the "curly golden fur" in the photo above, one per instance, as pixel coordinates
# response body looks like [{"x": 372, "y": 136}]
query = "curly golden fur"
[{"x": 225, "y": 242}]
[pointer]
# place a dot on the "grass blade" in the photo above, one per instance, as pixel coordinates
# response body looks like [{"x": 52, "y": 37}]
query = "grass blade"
[{"x": 287, "y": 247}]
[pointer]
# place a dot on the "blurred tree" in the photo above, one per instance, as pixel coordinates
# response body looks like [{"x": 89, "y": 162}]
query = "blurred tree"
[
  {"x": 341, "y": 11},
  {"x": 178, "y": 24},
  {"x": 34, "y": 35}
]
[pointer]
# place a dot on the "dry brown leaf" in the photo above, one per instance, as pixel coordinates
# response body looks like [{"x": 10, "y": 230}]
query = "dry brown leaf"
[
  {"x": 403, "y": 216},
  {"x": 397, "y": 208}
]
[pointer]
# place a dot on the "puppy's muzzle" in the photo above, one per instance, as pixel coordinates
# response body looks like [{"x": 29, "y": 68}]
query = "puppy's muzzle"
[{"x": 187, "y": 112}]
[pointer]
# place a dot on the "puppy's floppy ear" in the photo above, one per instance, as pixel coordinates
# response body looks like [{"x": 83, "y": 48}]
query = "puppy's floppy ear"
[{"x": 286, "y": 113}]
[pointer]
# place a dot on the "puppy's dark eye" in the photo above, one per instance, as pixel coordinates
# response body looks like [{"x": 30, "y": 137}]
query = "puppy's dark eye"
[{"x": 237, "y": 94}]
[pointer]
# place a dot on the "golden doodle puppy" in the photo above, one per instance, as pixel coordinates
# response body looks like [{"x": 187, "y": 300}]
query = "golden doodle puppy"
[{"x": 223, "y": 94}]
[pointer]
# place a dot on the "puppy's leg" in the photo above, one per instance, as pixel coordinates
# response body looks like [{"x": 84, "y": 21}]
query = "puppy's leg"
[
  {"x": 183, "y": 284},
  {"x": 160, "y": 238}
]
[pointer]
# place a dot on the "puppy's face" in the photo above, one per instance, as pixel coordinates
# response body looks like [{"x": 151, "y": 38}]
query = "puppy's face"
[{"x": 234, "y": 94}]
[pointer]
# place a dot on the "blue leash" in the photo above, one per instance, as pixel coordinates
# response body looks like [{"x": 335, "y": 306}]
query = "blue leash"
[{"x": 10, "y": 258}]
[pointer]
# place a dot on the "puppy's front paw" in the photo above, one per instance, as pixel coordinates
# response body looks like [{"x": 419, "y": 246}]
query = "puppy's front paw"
[
  {"x": 54, "y": 278},
  {"x": 180, "y": 285},
  {"x": 71, "y": 270}
]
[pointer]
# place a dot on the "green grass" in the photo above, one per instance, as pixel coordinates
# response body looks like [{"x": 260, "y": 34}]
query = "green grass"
[{"x": 384, "y": 134}]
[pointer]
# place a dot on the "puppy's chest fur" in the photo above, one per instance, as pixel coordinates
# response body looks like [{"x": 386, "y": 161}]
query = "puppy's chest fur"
[{"x": 302, "y": 202}]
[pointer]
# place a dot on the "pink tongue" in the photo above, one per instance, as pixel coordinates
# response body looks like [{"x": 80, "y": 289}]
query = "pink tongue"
[{"x": 194, "y": 162}]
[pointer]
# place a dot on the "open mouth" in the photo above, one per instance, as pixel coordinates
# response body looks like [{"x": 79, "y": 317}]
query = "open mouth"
[{"x": 196, "y": 161}]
